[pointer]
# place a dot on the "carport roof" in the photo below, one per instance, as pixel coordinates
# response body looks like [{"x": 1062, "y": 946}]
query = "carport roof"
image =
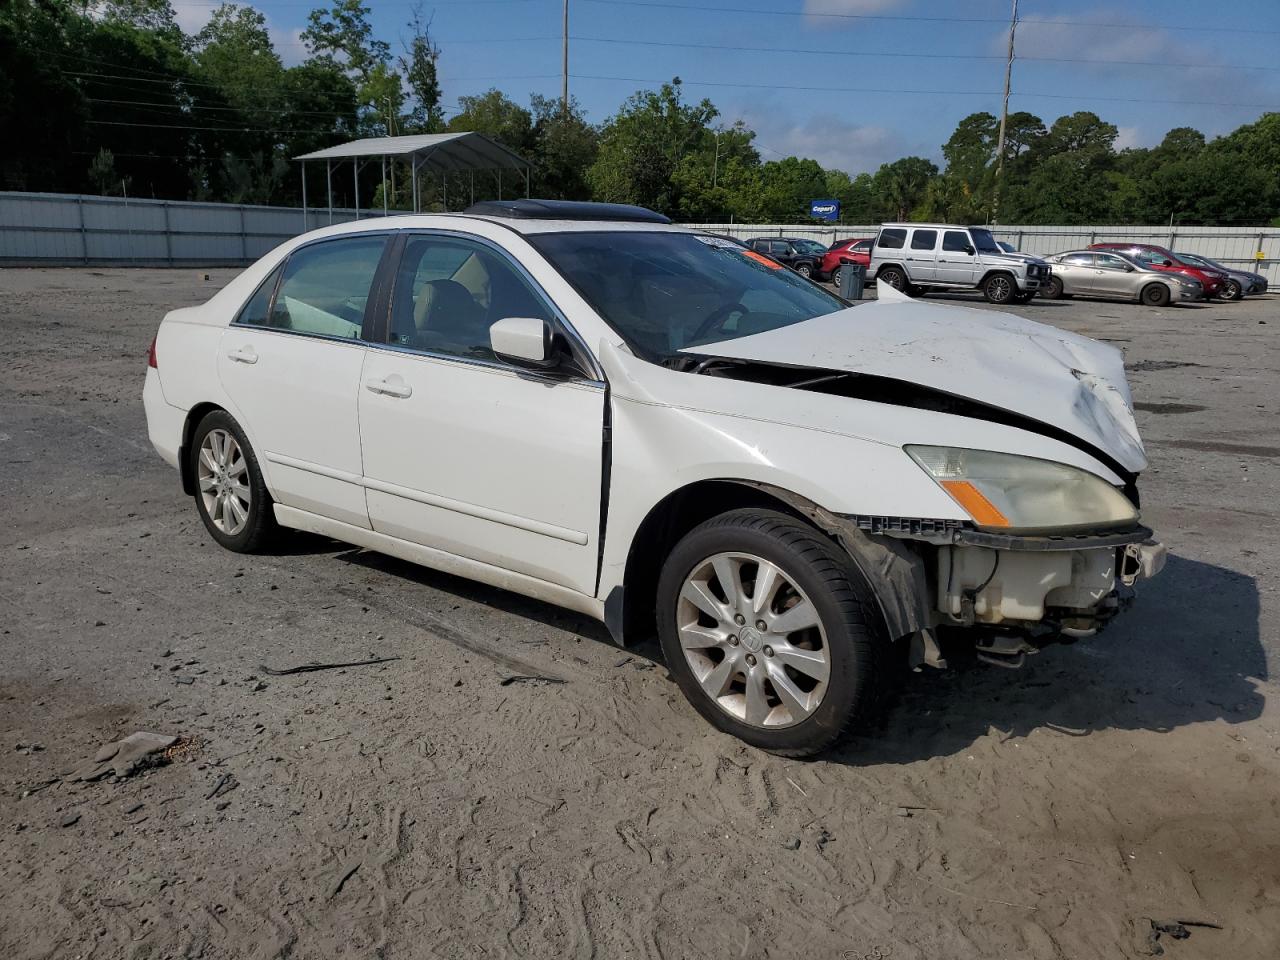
[{"x": 442, "y": 152}]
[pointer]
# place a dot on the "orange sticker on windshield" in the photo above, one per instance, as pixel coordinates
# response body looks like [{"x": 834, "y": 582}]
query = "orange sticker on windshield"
[{"x": 760, "y": 258}]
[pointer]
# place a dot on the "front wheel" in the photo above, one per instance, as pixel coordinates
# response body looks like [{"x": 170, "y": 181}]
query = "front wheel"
[
  {"x": 1231, "y": 290},
  {"x": 770, "y": 632},
  {"x": 231, "y": 497},
  {"x": 805, "y": 270},
  {"x": 999, "y": 288},
  {"x": 1155, "y": 295}
]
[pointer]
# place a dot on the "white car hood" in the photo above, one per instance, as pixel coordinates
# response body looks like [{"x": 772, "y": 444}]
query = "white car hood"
[{"x": 1058, "y": 378}]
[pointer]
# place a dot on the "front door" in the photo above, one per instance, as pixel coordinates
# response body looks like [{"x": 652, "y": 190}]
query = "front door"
[
  {"x": 466, "y": 453},
  {"x": 956, "y": 259},
  {"x": 1113, "y": 276},
  {"x": 290, "y": 364}
]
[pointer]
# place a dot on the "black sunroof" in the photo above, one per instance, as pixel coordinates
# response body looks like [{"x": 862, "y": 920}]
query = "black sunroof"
[{"x": 564, "y": 210}]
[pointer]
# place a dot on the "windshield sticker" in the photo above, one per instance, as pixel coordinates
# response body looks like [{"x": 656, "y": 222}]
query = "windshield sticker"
[
  {"x": 717, "y": 242},
  {"x": 760, "y": 258}
]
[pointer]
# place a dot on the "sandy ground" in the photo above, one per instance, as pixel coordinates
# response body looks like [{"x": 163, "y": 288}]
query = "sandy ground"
[{"x": 420, "y": 808}]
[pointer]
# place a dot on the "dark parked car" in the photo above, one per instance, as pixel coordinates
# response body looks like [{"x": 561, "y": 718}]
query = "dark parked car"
[
  {"x": 841, "y": 252},
  {"x": 799, "y": 253},
  {"x": 1240, "y": 283}
]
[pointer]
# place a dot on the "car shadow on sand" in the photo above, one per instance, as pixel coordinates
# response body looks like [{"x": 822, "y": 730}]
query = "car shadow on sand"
[{"x": 1188, "y": 651}]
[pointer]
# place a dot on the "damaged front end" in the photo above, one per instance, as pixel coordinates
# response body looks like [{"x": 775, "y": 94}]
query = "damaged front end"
[{"x": 1009, "y": 595}]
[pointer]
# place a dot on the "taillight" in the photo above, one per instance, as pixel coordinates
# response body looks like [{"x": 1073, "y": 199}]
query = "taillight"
[{"x": 151, "y": 355}]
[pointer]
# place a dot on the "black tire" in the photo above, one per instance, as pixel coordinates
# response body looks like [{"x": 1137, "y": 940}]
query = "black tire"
[
  {"x": 894, "y": 277},
  {"x": 260, "y": 527},
  {"x": 1155, "y": 295},
  {"x": 1053, "y": 289},
  {"x": 805, "y": 270},
  {"x": 999, "y": 288},
  {"x": 836, "y": 274},
  {"x": 1231, "y": 290},
  {"x": 853, "y": 630}
]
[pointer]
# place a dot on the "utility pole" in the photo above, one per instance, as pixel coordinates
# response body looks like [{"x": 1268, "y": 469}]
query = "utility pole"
[
  {"x": 564, "y": 66},
  {"x": 1004, "y": 117}
]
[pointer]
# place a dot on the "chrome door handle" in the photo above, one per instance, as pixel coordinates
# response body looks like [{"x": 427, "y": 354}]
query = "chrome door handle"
[
  {"x": 243, "y": 355},
  {"x": 396, "y": 388}
]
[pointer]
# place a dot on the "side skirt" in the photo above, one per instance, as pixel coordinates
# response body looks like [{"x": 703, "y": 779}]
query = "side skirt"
[{"x": 440, "y": 560}]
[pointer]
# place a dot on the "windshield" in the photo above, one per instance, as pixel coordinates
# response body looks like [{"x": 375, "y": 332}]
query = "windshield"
[
  {"x": 1192, "y": 260},
  {"x": 811, "y": 247},
  {"x": 665, "y": 291},
  {"x": 983, "y": 241}
]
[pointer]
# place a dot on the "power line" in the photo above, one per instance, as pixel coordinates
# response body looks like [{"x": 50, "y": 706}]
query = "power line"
[
  {"x": 897, "y": 90},
  {"x": 906, "y": 18},
  {"x": 809, "y": 51}
]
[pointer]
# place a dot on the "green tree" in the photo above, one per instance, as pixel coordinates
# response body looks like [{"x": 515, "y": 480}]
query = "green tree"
[
  {"x": 901, "y": 186},
  {"x": 642, "y": 146},
  {"x": 233, "y": 50},
  {"x": 343, "y": 31},
  {"x": 419, "y": 64},
  {"x": 564, "y": 148}
]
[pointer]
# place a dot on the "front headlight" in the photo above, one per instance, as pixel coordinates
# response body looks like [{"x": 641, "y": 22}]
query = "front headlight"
[{"x": 1015, "y": 494}]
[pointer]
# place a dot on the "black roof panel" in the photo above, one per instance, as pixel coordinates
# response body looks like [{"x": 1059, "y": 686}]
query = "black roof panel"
[{"x": 564, "y": 210}]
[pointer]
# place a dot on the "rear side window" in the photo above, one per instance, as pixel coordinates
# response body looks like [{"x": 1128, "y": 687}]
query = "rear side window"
[
  {"x": 891, "y": 239},
  {"x": 256, "y": 310},
  {"x": 956, "y": 241},
  {"x": 862, "y": 246},
  {"x": 924, "y": 239},
  {"x": 1079, "y": 259},
  {"x": 325, "y": 287}
]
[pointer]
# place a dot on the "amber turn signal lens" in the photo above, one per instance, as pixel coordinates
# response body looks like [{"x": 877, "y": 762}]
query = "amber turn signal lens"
[{"x": 982, "y": 510}]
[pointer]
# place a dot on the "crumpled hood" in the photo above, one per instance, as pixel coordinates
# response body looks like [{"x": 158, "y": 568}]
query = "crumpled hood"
[{"x": 1058, "y": 378}]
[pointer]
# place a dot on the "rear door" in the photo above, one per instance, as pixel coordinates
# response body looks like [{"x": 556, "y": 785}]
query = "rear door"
[
  {"x": 921, "y": 255},
  {"x": 956, "y": 261},
  {"x": 469, "y": 454},
  {"x": 1075, "y": 270},
  {"x": 291, "y": 365}
]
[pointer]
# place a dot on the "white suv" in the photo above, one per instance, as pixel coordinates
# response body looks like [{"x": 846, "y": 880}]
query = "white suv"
[
  {"x": 586, "y": 404},
  {"x": 918, "y": 257}
]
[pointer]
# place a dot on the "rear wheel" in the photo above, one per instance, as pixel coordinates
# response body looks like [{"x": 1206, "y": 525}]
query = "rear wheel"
[
  {"x": 1231, "y": 290},
  {"x": 1053, "y": 289},
  {"x": 999, "y": 288},
  {"x": 1155, "y": 295},
  {"x": 836, "y": 274},
  {"x": 231, "y": 497},
  {"x": 894, "y": 277},
  {"x": 770, "y": 632}
]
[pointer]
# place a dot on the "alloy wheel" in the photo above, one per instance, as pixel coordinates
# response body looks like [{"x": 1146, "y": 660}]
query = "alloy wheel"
[
  {"x": 221, "y": 476},
  {"x": 753, "y": 640},
  {"x": 999, "y": 289}
]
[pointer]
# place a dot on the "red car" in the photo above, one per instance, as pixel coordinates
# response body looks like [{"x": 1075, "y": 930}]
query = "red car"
[
  {"x": 1158, "y": 258},
  {"x": 840, "y": 252}
]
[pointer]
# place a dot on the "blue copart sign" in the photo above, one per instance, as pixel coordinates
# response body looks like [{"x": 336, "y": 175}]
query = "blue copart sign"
[{"x": 824, "y": 209}]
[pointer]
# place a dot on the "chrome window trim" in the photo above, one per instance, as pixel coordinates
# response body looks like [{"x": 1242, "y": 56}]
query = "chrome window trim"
[
  {"x": 498, "y": 366},
  {"x": 595, "y": 375}
]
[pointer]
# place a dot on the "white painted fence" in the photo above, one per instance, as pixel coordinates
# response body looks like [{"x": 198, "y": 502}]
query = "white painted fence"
[{"x": 68, "y": 229}]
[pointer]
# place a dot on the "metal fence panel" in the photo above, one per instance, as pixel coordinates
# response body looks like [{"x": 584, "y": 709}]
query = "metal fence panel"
[{"x": 50, "y": 228}]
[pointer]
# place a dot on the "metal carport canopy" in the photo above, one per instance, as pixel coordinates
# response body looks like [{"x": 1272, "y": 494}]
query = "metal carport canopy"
[{"x": 442, "y": 153}]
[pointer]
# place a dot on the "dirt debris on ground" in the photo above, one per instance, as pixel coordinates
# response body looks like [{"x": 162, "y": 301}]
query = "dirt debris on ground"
[{"x": 420, "y": 808}]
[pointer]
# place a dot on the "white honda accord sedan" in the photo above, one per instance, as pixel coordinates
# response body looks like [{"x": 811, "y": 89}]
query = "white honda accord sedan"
[{"x": 586, "y": 404}]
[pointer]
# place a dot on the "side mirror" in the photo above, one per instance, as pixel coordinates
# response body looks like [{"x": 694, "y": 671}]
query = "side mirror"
[
  {"x": 527, "y": 341},
  {"x": 969, "y": 250}
]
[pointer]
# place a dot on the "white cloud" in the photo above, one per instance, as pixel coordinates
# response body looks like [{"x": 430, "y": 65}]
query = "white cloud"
[
  {"x": 813, "y": 8},
  {"x": 193, "y": 15},
  {"x": 1130, "y": 137},
  {"x": 833, "y": 141}
]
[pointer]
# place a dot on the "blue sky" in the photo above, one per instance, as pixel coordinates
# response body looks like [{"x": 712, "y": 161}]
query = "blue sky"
[{"x": 888, "y": 46}]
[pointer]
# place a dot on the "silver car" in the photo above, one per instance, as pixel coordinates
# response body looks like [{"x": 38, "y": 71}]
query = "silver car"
[
  {"x": 1114, "y": 276},
  {"x": 1240, "y": 283}
]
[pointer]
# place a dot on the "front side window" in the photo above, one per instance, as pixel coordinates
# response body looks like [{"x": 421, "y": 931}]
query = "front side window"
[
  {"x": 667, "y": 291},
  {"x": 956, "y": 241},
  {"x": 1109, "y": 261},
  {"x": 449, "y": 291},
  {"x": 891, "y": 239},
  {"x": 325, "y": 287},
  {"x": 924, "y": 239}
]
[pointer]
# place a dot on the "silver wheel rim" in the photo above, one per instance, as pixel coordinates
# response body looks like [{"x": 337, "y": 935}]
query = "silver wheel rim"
[
  {"x": 221, "y": 475},
  {"x": 803, "y": 270},
  {"x": 754, "y": 640},
  {"x": 1000, "y": 289}
]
